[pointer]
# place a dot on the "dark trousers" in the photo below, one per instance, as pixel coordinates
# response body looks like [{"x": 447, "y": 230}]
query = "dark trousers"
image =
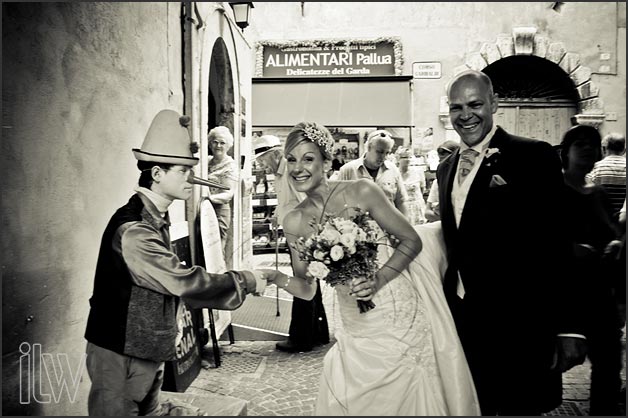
[
  {"x": 604, "y": 350},
  {"x": 308, "y": 324},
  {"x": 502, "y": 381}
]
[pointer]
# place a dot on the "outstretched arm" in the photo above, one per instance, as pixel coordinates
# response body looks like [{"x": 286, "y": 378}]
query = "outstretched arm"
[
  {"x": 393, "y": 222},
  {"x": 299, "y": 285}
]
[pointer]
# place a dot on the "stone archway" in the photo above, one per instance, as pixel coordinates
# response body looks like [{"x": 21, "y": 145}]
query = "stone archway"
[{"x": 526, "y": 41}]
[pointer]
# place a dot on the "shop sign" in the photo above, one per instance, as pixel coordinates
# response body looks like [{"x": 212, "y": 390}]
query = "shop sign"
[
  {"x": 426, "y": 70},
  {"x": 181, "y": 372},
  {"x": 326, "y": 58}
]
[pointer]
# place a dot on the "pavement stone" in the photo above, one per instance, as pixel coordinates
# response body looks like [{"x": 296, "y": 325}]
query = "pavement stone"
[
  {"x": 286, "y": 384},
  {"x": 289, "y": 382}
]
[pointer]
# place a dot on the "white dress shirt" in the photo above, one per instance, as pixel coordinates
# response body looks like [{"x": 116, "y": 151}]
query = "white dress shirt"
[{"x": 460, "y": 191}]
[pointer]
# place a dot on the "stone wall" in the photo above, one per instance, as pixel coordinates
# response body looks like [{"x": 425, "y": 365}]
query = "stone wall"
[
  {"x": 456, "y": 33},
  {"x": 81, "y": 84}
]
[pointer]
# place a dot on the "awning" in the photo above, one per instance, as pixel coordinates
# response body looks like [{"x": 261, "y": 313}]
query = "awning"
[{"x": 383, "y": 101}]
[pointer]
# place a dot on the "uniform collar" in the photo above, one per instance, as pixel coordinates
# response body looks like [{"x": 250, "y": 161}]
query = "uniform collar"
[{"x": 155, "y": 216}]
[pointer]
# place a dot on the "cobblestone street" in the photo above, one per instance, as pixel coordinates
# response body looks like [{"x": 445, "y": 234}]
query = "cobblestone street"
[{"x": 277, "y": 383}]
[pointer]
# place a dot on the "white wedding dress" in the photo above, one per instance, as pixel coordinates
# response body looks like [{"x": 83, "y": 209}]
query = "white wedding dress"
[{"x": 403, "y": 357}]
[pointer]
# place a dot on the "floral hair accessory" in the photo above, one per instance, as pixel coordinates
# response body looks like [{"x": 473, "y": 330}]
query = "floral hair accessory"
[{"x": 320, "y": 138}]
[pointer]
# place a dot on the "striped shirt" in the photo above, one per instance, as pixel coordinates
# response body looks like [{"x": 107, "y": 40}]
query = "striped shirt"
[{"x": 610, "y": 173}]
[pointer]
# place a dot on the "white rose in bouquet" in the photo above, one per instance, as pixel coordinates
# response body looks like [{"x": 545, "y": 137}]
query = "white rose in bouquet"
[
  {"x": 336, "y": 253},
  {"x": 331, "y": 235},
  {"x": 345, "y": 226},
  {"x": 319, "y": 255},
  {"x": 348, "y": 240},
  {"x": 317, "y": 270}
]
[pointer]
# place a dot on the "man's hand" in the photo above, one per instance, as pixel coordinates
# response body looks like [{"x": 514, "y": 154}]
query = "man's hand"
[
  {"x": 271, "y": 275},
  {"x": 570, "y": 352},
  {"x": 260, "y": 282}
]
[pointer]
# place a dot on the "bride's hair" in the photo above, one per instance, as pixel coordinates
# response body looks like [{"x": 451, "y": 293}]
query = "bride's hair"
[{"x": 311, "y": 132}]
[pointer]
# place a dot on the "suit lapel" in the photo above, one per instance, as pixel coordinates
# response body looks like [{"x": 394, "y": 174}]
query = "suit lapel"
[
  {"x": 481, "y": 183},
  {"x": 449, "y": 173}
]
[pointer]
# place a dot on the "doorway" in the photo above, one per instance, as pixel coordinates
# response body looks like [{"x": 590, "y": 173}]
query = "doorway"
[
  {"x": 537, "y": 99},
  {"x": 221, "y": 112}
]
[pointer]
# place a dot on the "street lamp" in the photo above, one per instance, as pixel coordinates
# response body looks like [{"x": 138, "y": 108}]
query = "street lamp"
[{"x": 241, "y": 11}]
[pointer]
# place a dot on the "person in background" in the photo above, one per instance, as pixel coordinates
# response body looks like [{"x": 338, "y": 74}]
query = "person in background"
[
  {"x": 610, "y": 172},
  {"x": 592, "y": 233},
  {"x": 374, "y": 165},
  {"x": 133, "y": 322},
  {"x": 308, "y": 321},
  {"x": 516, "y": 310},
  {"x": 224, "y": 170},
  {"x": 338, "y": 160},
  {"x": 620, "y": 288},
  {"x": 414, "y": 180},
  {"x": 432, "y": 211}
]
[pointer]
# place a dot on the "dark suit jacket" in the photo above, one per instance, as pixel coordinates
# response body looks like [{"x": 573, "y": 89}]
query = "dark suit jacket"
[{"x": 510, "y": 250}]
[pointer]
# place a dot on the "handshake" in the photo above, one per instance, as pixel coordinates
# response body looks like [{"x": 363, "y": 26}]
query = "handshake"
[{"x": 265, "y": 277}]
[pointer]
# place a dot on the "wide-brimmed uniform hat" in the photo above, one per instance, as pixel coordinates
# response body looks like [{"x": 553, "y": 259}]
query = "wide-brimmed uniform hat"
[
  {"x": 265, "y": 143},
  {"x": 167, "y": 140}
]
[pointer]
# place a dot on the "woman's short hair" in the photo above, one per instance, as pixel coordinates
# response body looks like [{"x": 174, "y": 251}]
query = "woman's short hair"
[
  {"x": 576, "y": 133},
  {"x": 310, "y": 132},
  {"x": 221, "y": 132}
]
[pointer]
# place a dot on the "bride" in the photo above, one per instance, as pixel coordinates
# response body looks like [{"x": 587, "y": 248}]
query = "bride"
[{"x": 402, "y": 357}]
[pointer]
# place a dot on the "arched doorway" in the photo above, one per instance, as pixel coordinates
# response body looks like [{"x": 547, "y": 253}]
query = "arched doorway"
[
  {"x": 537, "y": 98},
  {"x": 221, "y": 112},
  {"x": 526, "y": 65}
]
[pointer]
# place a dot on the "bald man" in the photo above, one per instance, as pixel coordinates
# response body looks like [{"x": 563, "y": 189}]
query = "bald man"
[{"x": 519, "y": 320}]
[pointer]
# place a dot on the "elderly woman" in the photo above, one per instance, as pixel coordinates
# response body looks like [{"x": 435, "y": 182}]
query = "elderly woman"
[{"x": 222, "y": 168}]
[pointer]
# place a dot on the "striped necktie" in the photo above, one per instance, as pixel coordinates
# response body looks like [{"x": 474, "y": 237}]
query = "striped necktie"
[{"x": 466, "y": 163}]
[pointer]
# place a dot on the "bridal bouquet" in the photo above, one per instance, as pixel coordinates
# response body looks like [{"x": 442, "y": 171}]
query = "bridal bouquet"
[{"x": 342, "y": 249}]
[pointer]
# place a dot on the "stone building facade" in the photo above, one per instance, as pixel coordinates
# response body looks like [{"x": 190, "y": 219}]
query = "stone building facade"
[{"x": 584, "y": 42}]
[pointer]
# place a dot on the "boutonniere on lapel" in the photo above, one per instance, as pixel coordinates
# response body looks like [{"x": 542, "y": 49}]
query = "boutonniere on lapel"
[{"x": 491, "y": 156}]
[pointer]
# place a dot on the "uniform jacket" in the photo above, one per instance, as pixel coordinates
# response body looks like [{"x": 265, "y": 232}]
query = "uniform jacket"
[{"x": 138, "y": 283}]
